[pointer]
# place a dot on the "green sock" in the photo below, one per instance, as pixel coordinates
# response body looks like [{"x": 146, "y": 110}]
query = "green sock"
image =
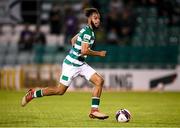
[
  {"x": 38, "y": 93},
  {"x": 95, "y": 102}
]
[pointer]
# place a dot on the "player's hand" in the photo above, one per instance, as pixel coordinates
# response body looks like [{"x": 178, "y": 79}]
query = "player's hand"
[{"x": 102, "y": 53}]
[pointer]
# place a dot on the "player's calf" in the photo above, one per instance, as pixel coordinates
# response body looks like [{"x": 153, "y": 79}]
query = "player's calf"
[
  {"x": 56, "y": 90},
  {"x": 32, "y": 93}
]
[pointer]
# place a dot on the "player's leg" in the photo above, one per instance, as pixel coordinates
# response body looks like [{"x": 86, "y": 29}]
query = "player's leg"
[
  {"x": 48, "y": 91},
  {"x": 65, "y": 80},
  {"x": 97, "y": 80},
  {"x": 57, "y": 90}
]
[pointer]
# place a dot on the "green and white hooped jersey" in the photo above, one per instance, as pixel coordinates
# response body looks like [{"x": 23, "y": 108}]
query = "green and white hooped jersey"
[{"x": 86, "y": 35}]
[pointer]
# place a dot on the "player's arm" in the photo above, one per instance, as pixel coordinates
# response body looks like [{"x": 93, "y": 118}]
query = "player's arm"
[
  {"x": 73, "y": 40},
  {"x": 85, "y": 50}
]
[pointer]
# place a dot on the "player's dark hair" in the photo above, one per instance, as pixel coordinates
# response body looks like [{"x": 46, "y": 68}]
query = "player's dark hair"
[{"x": 89, "y": 11}]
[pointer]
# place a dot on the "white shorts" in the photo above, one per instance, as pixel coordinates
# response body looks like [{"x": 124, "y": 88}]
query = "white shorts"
[{"x": 69, "y": 72}]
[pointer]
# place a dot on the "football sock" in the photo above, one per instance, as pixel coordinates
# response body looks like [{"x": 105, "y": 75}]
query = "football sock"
[
  {"x": 95, "y": 102},
  {"x": 38, "y": 93}
]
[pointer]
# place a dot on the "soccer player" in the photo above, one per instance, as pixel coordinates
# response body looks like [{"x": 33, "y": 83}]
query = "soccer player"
[{"x": 74, "y": 64}]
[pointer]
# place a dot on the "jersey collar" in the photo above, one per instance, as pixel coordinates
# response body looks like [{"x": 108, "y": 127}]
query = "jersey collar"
[{"x": 90, "y": 27}]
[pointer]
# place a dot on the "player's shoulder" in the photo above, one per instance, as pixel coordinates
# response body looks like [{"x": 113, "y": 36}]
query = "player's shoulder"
[{"x": 86, "y": 30}]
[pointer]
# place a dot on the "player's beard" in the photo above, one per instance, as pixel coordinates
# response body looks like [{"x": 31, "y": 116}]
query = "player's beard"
[{"x": 93, "y": 25}]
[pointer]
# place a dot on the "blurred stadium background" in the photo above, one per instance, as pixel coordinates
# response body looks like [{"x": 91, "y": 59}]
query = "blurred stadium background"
[{"x": 142, "y": 38}]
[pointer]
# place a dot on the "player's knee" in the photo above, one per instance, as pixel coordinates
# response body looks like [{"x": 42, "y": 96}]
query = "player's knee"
[
  {"x": 61, "y": 93},
  {"x": 60, "y": 90},
  {"x": 100, "y": 81}
]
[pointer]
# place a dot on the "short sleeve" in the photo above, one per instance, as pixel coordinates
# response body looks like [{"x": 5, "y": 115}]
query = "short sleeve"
[{"x": 86, "y": 37}]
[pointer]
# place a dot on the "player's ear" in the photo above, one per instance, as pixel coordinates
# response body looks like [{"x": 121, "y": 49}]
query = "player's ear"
[{"x": 90, "y": 17}]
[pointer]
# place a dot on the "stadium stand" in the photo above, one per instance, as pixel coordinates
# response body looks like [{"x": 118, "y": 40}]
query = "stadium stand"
[{"x": 154, "y": 44}]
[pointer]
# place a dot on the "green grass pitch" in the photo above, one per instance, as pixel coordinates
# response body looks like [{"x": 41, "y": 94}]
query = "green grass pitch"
[{"x": 148, "y": 109}]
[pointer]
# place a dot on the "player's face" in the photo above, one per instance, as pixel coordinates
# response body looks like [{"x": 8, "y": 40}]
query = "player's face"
[{"x": 95, "y": 20}]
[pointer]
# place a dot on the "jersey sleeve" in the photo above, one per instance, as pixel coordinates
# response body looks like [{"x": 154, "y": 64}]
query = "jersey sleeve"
[{"x": 86, "y": 37}]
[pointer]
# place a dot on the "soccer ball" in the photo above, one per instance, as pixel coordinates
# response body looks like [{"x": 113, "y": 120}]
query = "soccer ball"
[{"x": 123, "y": 115}]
